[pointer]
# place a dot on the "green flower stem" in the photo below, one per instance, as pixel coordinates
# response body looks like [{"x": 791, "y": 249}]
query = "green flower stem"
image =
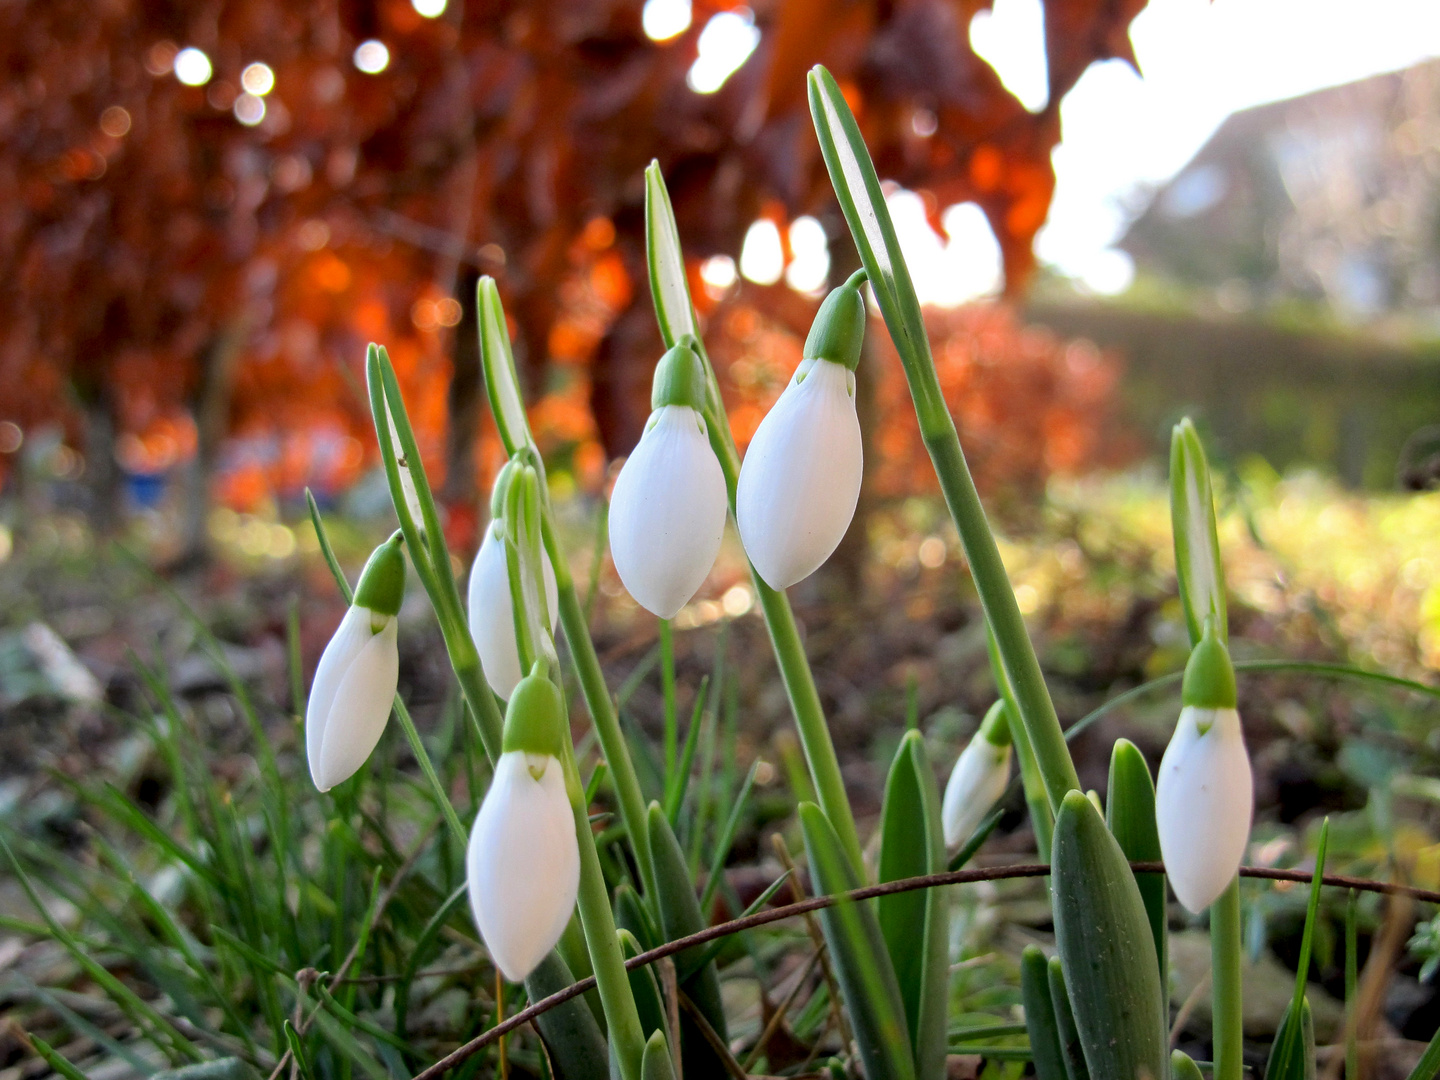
[
  {"x": 1228, "y": 1027},
  {"x": 853, "y": 176},
  {"x": 601, "y": 706},
  {"x": 387, "y": 405},
  {"x": 1022, "y": 668},
  {"x": 622, "y": 1020},
  {"x": 789, "y": 654}
]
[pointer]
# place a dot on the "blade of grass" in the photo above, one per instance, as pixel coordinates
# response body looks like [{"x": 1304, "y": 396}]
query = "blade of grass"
[{"x": 726, "y": 838}]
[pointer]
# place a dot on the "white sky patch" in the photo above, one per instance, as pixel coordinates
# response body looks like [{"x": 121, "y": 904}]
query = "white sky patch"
[
  {"x": 963, "y": 267},
  {"x": 810, "y": 256},
  {"x": 762, "y": 259},
  {"x": 1123, "y": 136},
  {"x": 1010, "y": 37},
  {"x": 664, "y": 19},
  {"x": 726, "y": 42}
]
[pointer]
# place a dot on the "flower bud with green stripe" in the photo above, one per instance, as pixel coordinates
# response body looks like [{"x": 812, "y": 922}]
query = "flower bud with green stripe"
[
  {"x": 667, "y": 511},
  {"x": 523, "y": 861},
  {"x": 979, "y": 777},
  {"x": 800, "y": 481},
  {"x": 1205, "y": 795},
  {"x": 491, "y": 603},
  {"x": 355, "y": 681}
]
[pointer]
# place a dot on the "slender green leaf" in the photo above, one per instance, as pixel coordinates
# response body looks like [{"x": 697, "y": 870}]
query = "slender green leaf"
[
  {"x": 297, "y": 1051},
  {"x": 1045, "y": 1044},
  {"x": 915, "y": 924},
  {"x": 716, "y": 947},
  {"x": 54, "y": 1059},
  {"x": 727, "y": 839},
  {"x": 656, "y": 1064},
  {"x": 857, "y": 954},
  {"x": 1198, "y": 568},
  {"x": 1428, "y": 1067},
  {"x": 680, "y": 916},
  {"x": 1102, "y": 935},
  {"x": 1130, "y": 814},
  {"x": 649, "y": 1002},
  {"x": 1071, "y": 1049},
  {"x": 678, "y": 781},
  {"x": 1292, "y": 1054}
]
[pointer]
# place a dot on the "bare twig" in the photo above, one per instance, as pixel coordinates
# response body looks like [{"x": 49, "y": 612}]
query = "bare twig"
[
  {"x": 778, "y": 1016},
  {"x": 889, "y": 888},
  {"x": 712, "y": 1037}
]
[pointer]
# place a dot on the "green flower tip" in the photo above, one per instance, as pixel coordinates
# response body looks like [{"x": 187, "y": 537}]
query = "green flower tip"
[
  {"x": 382, "y": 582},
  {"x": 535, "y": 719},
  {"x": 995, "y": 728},
  {"x": 838, "y": 331},
  {"x": 1209, "y": 676},
  {"x": 679, "y": 379}
]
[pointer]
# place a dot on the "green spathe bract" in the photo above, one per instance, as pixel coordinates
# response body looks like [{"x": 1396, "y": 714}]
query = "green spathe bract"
[
  {"x": 382, "y": 582},
  {"x": 1102, "y": 935},
  {"x": 679, "y": 380},
  {"x": 1209, "y": 674},
  {"x": 838, "y": 332},
  {"x": 535, "y": 717}
]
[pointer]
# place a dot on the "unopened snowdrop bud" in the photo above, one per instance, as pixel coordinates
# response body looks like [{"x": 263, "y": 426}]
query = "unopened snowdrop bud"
[
  {"x": 355, "y": 682},
  {"x": 667, "y": 512},
  {"x": 800, "y": 481},
  {"x": 491, "y": 603},
  {"x": 1205, "y": 794},
  {"x": 978, "y": 779},
  {"x": 523, "y": 860}
]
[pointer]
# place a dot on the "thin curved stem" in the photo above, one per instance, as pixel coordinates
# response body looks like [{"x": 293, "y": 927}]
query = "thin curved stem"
[{"x": 816, "y": 903}]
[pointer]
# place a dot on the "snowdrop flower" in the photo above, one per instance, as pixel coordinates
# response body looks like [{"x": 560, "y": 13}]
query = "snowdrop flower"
[
  {"x": 800, "y": 481},
  {"x": 1205, "y": 794},
  {"x": 355, "y": 681},
  {"x": 523, "y": 861},
  {"x": 978, "y": 779},
  {"x": 667, "y": 512},
  {"x": 492, "y": 608}
]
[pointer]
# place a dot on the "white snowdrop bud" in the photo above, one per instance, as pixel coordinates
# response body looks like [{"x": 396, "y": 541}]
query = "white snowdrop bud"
[
  {"x": 667, "y": 511},
  {"x": 355, "y": 681},
  {"x": 492, "y": 611},
  {"x": 800, "y": 481},
  {"x": 523, "y": 861},
  {"x": 1204, "y": 797},
  {"x": 978, "y": 779}
]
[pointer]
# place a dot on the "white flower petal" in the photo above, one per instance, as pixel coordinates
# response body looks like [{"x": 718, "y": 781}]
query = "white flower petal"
[
  {"x": 800, "y": 480},
  {"x": 352, "y": 635},
  {"x": 523, "y": 862},
  {"x": 667, "y": 512},
  {"x": 492, "y": 618},
  {"x": 1204, "y": 799},
  {"x": 360, "y": 709},
  {"x": 976, "y": 783}
]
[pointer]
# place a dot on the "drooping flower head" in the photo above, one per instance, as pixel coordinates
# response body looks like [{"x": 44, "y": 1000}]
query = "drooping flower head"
[
  {"x": 492, "y": 608},
  {"x": 979, "y": 777},
  {"x": 667, "y": 511},
  {"x": 523, "y": 861},
  {"x": 800, "y": 481},
  {"x": 1205, "y": 796},
  {"x": 355, "y": 681}
]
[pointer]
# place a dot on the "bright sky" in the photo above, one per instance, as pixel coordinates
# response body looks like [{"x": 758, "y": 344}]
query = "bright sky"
[{"x": 1122, "y": 135}]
